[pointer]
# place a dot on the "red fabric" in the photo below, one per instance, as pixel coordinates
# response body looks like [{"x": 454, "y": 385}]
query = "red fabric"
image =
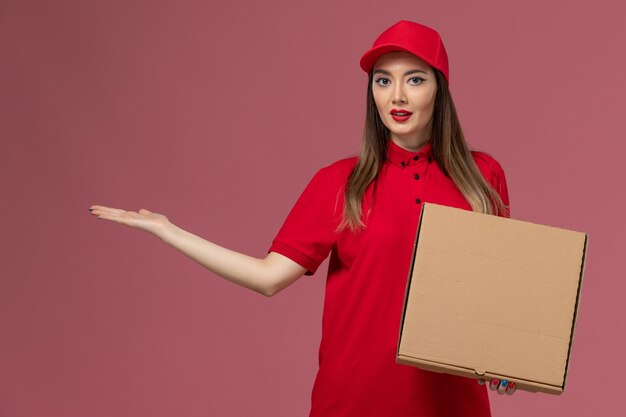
[
  {"x": 415, "y": 38},
  {"x": 367, "y": 275}
]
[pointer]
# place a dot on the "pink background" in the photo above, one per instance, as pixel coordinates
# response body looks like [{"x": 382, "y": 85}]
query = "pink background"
[{"x": 217, "y": 114}]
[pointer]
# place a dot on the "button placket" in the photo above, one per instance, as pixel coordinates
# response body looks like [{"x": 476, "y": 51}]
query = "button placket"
[{"x": 420, "y": 163}]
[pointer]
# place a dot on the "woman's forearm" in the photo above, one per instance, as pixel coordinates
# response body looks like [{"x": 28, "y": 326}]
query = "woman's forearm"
[
  {"x": 266, "y": 276},
  {"x": 241, "y": 269}
]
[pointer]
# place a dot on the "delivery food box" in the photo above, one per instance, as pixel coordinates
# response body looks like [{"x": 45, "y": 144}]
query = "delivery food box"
[{"x": 492, "y": 297}]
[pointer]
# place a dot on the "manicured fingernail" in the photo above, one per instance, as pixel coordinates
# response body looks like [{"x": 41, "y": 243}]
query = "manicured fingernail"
[
  {"x": 494, "y": 384},
  {"x": 511, "y": 388},
  {"x": 502, "y": 386}
]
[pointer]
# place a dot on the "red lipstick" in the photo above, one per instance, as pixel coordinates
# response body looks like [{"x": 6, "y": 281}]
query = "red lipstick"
[{"x": 400, "y": 115}]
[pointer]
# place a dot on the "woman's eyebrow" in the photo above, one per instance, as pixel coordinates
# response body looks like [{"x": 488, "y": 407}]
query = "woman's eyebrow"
[{"x": 413, "y": 71}]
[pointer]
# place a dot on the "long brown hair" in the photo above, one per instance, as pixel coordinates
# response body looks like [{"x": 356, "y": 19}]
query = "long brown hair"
[{"x": 450, "y": 152}]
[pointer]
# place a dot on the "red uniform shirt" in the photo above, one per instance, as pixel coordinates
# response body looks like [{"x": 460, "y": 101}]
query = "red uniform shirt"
[{"x": 367, "y": 275}]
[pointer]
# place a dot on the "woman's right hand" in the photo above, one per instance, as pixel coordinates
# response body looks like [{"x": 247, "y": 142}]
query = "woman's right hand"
[
  {"x": 266, "y": 276},
  {"x": 153, "y": 223}
]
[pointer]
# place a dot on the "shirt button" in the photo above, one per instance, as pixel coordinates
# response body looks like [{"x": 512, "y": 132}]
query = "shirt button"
[
  {"x": 417, "y": 200},
  {"x": 416, "y": 157},
  {"x": 416, "y": 176},
  {"x": 402, "y": 164}
]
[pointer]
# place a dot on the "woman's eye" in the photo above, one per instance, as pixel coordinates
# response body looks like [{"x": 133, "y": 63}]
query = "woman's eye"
[
  {"x": 381, "y": 79},
  {"x": 413, "y": 80}
]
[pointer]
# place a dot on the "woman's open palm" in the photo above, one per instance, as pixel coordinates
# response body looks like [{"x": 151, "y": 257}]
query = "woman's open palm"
[{"x": 153, "y": 223}]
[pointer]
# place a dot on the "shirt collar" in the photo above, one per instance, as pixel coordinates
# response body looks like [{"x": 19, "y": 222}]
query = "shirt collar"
[{"x": 402, "y": 157}]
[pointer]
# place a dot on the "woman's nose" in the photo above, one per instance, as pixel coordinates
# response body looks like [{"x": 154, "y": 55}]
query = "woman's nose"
[{"x": 399, "y": 96}]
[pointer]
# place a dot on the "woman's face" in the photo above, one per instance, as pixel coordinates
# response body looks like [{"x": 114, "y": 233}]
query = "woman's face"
[{"x": 405, "y": 83}]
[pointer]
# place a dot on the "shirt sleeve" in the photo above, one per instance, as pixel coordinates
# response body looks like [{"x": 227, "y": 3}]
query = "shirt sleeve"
[
  {"x": 308, "y": 233},
  {"x": 492, "y": 172},
  {"x": 499, "y": 184}
]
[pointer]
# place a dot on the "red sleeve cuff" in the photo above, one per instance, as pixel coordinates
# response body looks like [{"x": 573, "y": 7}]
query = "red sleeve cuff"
[{"x": 295, "y": 256}]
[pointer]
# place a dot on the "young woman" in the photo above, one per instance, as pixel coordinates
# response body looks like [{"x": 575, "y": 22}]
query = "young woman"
[{"x": 364, "y": 212}]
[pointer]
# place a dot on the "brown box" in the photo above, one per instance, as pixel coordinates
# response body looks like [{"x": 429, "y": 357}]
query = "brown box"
[{"x": 492, "y": 297}]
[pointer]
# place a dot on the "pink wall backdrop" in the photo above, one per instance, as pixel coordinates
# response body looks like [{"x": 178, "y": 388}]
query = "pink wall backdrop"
[{"x": 217, "y": 114}]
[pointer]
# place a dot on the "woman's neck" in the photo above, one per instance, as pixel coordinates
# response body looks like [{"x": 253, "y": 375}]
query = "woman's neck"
[{"x": 410, "y": 144}]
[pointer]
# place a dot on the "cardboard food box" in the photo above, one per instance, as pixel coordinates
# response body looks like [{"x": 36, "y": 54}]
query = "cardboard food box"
[{"x": 492, "y": 297}]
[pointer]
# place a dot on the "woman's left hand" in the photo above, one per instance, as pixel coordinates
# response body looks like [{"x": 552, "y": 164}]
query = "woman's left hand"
[{"x": 501, "y": 386}]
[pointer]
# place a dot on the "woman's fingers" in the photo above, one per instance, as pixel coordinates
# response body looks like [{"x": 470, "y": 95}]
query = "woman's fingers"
[
  {"x": 103, "y": 209},
  {"x": 510, "y": 389},
  {"x": 118, "y": 216},
  {"x": 143, "y": 219},
  {"x": 109, "y": 213},
  {"x": 501, "y": 386},
  {"x": 493, "y": 385}
]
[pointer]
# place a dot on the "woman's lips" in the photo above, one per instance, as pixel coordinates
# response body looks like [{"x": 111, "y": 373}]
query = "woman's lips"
[{"x": 400, "y": 116}]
